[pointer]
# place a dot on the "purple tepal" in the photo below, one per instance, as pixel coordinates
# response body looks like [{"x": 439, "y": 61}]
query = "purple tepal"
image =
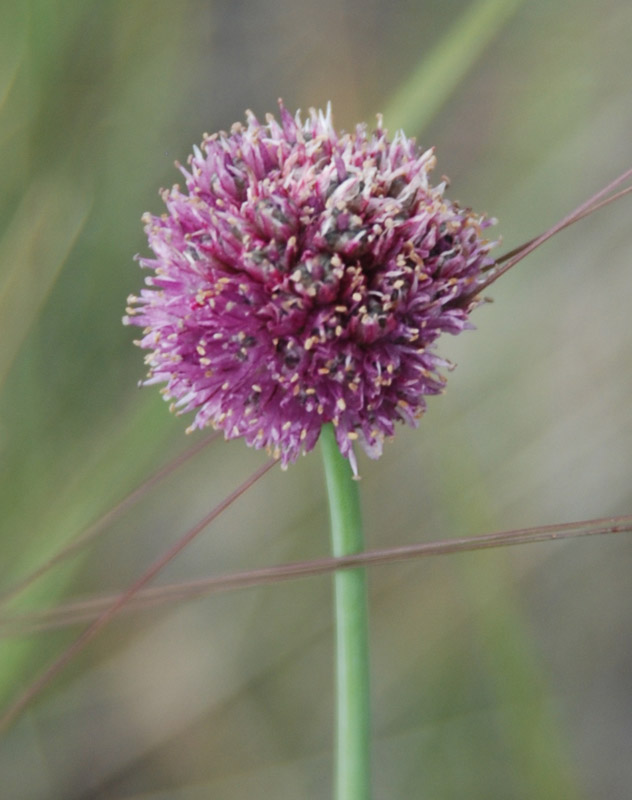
[{"x": 302, "y": 277}]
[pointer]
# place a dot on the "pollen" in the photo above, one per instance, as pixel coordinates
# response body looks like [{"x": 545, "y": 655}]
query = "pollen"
[{"x": 304, "y": 264}]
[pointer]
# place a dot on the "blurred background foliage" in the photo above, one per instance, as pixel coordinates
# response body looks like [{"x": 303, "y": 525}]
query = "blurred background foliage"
[{"x": 496, "y": 675}]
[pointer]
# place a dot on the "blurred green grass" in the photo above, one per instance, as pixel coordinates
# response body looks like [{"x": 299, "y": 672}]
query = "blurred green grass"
[{"x": 500, "y": 675}]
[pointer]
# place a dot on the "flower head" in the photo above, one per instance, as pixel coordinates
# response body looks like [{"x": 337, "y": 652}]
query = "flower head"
[{"x": 303, "y": 277}]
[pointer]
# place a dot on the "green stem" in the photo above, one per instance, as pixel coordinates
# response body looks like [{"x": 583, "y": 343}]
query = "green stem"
[{"x": 352, "y": 639}]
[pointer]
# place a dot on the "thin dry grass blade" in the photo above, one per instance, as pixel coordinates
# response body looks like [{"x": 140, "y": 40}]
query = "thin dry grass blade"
[
  {"x": 100, "y": 525},
  {"x": 597, "y": 201},
  {"x": 11, "y": 714},
  {"x": 595, "y": 207},
  {"x": 85, "y": 610}
]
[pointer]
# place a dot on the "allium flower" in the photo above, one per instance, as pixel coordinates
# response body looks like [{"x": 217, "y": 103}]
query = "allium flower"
[{"x": 303, "y": 278}]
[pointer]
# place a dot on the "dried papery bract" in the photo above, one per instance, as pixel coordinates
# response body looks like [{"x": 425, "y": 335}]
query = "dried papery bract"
[{"x": 303, "y": 277}]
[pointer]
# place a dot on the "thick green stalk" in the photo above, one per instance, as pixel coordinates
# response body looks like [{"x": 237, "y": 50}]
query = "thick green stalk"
[{"x": 353, "y": 781}]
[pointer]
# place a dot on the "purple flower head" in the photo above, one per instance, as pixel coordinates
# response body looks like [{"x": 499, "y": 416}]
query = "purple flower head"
[{"x": 302, "y": 277}]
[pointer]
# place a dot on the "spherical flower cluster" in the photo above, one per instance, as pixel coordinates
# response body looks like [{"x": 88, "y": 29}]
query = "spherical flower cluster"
[{"x": 303, "y": 277}]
